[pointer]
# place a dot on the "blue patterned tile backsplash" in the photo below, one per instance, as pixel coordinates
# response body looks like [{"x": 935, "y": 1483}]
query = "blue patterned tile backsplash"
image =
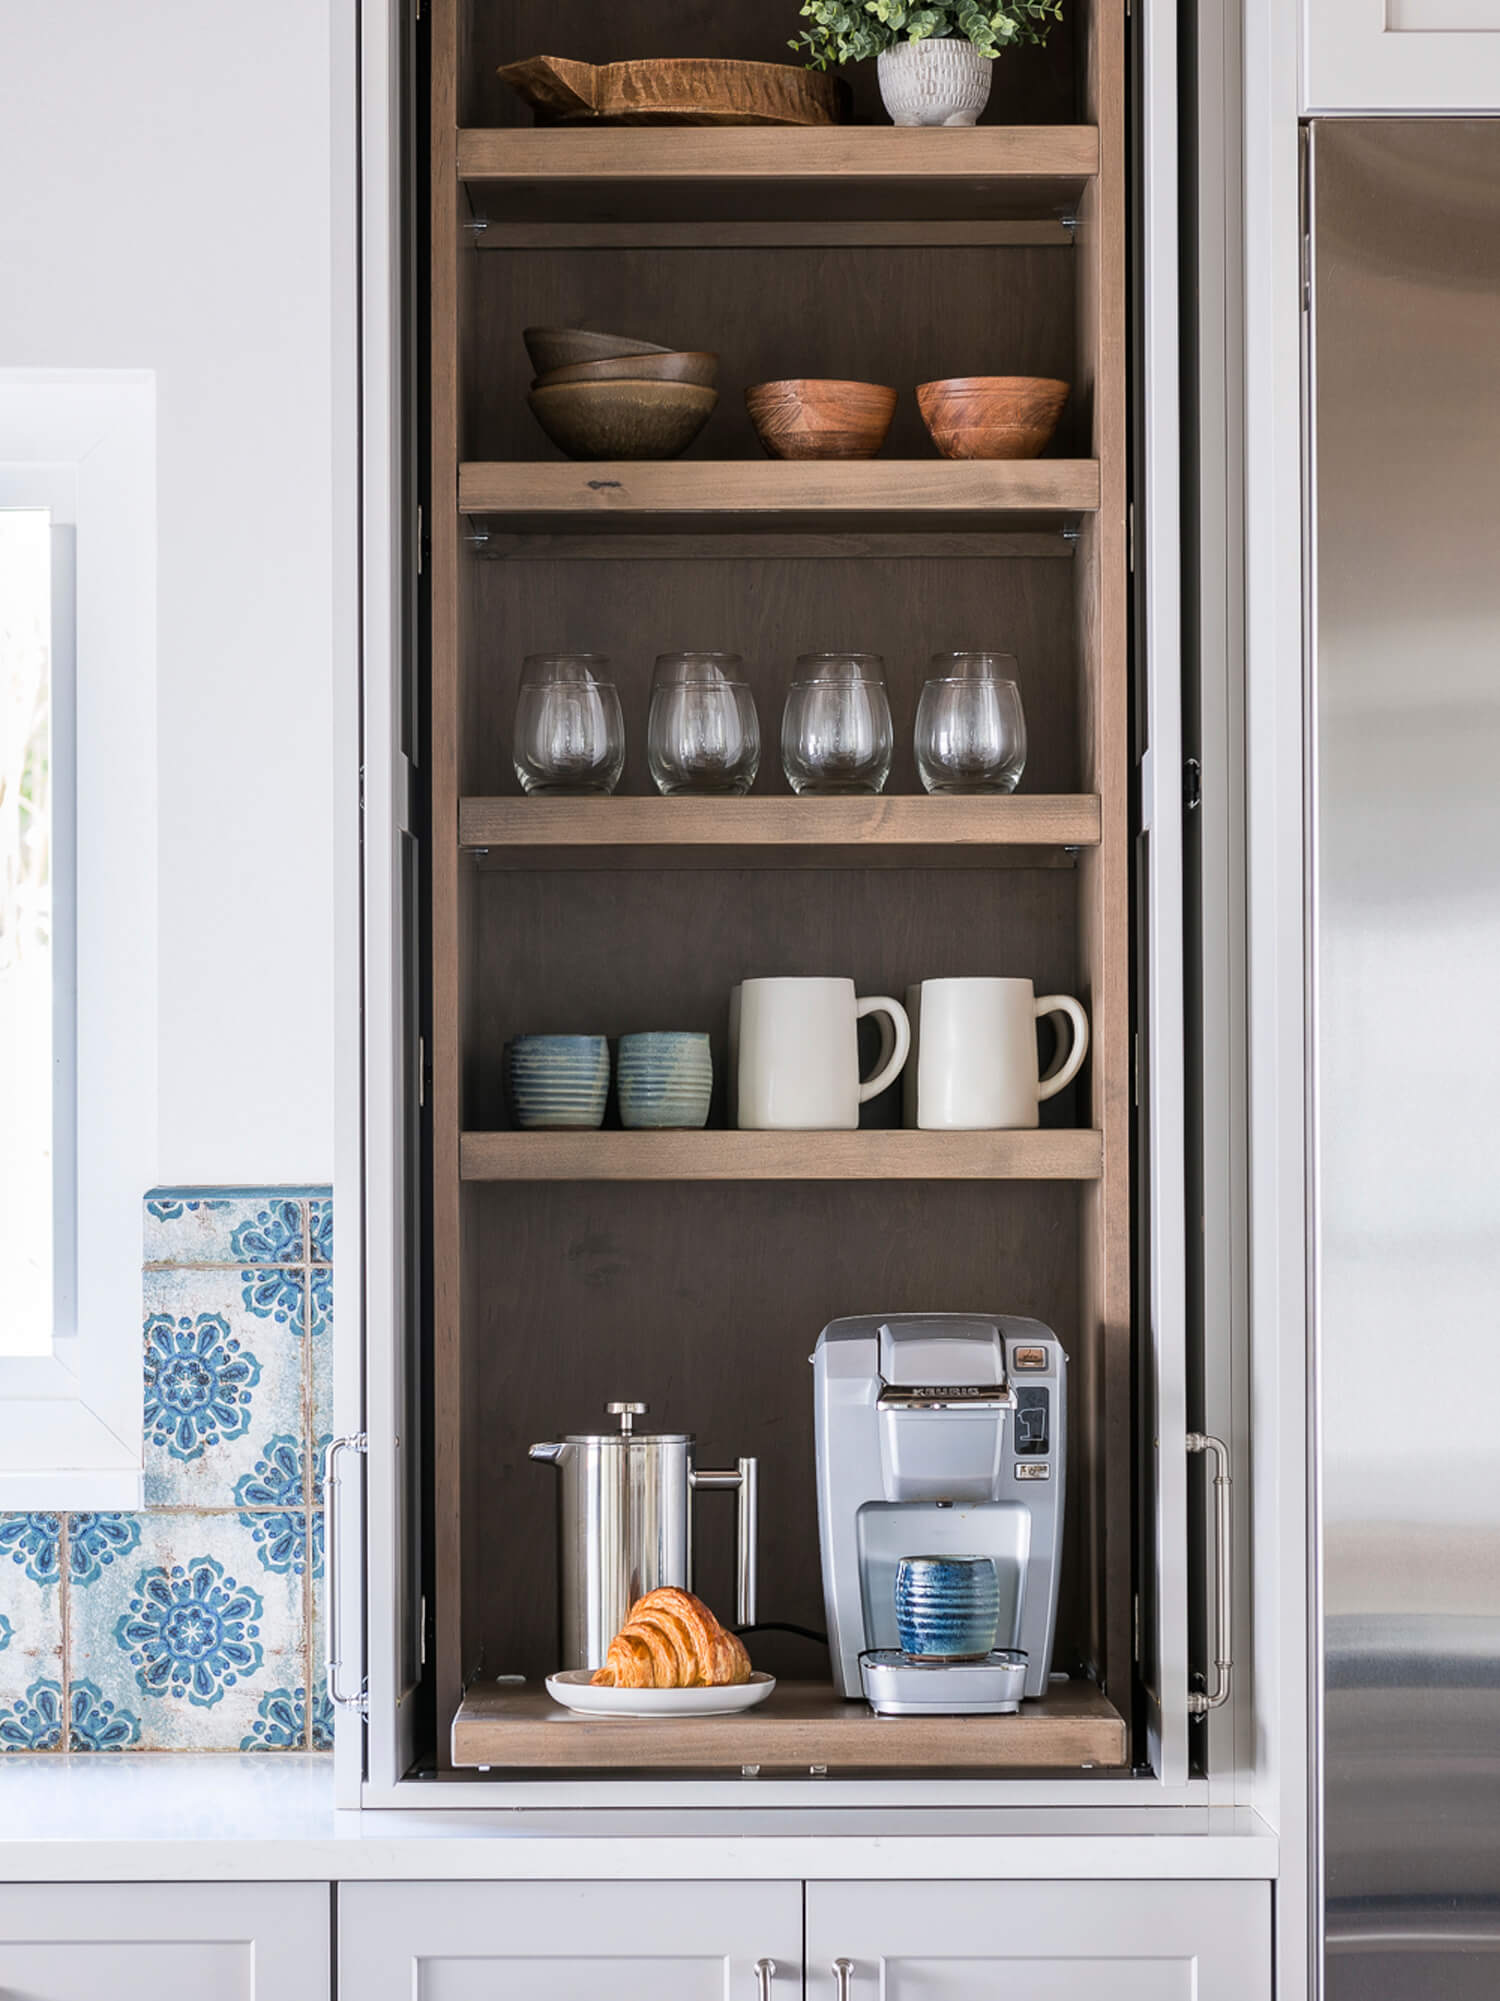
[{"x": 195, "y": 1625}]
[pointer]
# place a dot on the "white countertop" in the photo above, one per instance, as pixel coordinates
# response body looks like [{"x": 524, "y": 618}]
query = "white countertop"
[{"x": 170, "y": 1818}]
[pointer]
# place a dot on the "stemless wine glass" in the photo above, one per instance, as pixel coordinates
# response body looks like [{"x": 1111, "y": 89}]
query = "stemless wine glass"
[
  {"x": 836, "y": 731},
  {"x": 570, "y": 732},
  {"x": 704, "y": 734},
  {"x": 971, "y": 730}
]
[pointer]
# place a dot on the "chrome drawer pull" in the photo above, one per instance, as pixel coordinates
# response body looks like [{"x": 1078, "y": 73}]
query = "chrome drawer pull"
[
  {"x": 843, "y": 1972},
  {"x": 765, "y": 1973}
]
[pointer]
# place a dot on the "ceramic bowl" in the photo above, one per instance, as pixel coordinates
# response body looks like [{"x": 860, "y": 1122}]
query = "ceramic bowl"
[
  {"x": 947, "y": 1607},
  {"x": 623, "y": 420},
  {"x": 683, "y": 366},
  {"x": 992, "y": 416},
  {"x": 560, "y": 347},
  {"x": 664, "y": 1079},
  {"x": 805, "y": 419},
  {"x": 557, "y": 1083}
]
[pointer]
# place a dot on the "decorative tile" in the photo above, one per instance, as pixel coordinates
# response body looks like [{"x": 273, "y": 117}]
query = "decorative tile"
[
  {"x": 31, "y": 1563},
  {"x": 96, "y": 1541},
  {"x": 97, "y": 1724},
  {"x": 276, "y": 1501},
  {"x": 317, "y": 1675},
  {"x": 320, "y": 1229},
  {"x": 181, "y": 1641},
  {"x": 221, "y": 1381},
  {"x": 200, "y": 1226}
]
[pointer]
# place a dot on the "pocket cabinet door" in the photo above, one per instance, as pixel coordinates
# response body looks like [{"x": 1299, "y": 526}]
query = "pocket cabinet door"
[
  {"x": 164, "y": 1942},
  {"x": 1041, "y": 1941},
  {"x": 571, "y": 1941}
]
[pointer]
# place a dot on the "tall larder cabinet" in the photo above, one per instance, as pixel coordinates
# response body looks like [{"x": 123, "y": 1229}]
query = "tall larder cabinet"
[{"x": 515, "y": 1282}]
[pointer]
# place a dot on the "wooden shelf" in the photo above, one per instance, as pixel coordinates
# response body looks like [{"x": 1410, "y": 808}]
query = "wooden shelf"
[
  {"x": 616, "y": 173},
  {"x": 900, "y": 831},
  {"x": 869, "y": 1155},
  {"x": 803, "y": 1725},
  {"x": 942, "y": 493}
]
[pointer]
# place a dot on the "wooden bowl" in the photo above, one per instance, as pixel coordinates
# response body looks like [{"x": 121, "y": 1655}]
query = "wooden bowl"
[
  {"x": 992, "y": 416},
  {"x": 679, "y": 367},
  {"x": 560, "y": 347},
  {"x": 622, "y": 420},
  {"x": 806, "y": 419}
]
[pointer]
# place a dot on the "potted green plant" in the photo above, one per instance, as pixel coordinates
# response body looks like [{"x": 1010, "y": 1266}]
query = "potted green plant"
[{"x": 934, "y": 58}]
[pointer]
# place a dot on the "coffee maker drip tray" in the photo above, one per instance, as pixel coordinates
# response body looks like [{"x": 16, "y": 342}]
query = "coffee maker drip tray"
[{"x": 898, "y": 1684}]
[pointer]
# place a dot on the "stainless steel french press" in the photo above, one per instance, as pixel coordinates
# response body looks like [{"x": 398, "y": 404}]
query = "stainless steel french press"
[{"x": 625, "y": 1519}]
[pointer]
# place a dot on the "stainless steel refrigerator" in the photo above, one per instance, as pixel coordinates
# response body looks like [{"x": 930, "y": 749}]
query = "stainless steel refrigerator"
[{"x": 1404, "y": 697}]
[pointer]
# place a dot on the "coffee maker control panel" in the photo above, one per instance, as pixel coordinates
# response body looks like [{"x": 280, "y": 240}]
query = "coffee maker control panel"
[{"x": 1031, "y": 1420}]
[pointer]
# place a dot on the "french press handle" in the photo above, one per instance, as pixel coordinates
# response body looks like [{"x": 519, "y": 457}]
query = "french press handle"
[{"x": 746, "y": 1483}]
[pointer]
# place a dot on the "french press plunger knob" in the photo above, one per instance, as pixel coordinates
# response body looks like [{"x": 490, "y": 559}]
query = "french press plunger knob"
[{"x": 627, "y": 1413}]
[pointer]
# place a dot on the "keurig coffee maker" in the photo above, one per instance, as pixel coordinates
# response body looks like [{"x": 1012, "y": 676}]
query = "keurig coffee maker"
[{"x": 939, "y": 1434}]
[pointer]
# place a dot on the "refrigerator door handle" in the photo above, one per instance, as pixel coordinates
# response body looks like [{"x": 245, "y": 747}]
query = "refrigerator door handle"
[{"x": 1200, "y": 1703}]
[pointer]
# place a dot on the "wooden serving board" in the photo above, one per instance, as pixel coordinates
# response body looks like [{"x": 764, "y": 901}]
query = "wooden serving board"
[
  {"x": 803, "y": 1725},
  {"x": 677, "y": 90}
]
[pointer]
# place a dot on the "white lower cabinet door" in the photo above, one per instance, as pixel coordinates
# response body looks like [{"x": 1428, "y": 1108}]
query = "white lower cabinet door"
[
  {"x": 1038, "y": 1941},
  {"x": 165, "y": 1942},
  {"x": 570, "y": 1941}
]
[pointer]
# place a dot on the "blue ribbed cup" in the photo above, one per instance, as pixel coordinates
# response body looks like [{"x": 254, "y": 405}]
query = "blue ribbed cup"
[
  {"x": 947, "y": 1607},
  {"x": 664, "y": 1079},
  {"x": 557, "y": 1082}
]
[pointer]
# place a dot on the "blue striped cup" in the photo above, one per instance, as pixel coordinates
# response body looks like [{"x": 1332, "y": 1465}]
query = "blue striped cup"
[
  {"x": 947, "y": 1607},
  {"x": 557, "y": 1082},
  {"x": 664, "y": 1079}
]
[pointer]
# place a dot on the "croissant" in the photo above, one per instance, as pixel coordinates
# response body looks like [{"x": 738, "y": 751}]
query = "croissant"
[{"x": 670, "y": 1639}]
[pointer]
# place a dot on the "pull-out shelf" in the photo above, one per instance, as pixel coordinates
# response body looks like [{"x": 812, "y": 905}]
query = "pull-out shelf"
[{"x": 805, "y": 1726}]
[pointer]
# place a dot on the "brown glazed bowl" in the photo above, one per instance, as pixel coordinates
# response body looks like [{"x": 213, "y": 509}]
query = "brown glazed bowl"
[
  {"x": 560, "y": 347},
  {"x": 674, "y": 367},
  {"x": 992, "y": 416},
  {"x": 622, "y": 420},
  {"x": 807, "y": 419}
]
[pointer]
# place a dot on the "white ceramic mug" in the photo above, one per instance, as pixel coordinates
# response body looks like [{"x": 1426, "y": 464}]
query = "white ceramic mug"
[
  {"x": 974, "y": 1061},
  {"x": 795, "y": 1053}
]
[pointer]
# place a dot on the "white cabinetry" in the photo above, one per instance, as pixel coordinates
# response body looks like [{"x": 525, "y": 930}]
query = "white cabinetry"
[
  {"x": 570, "y": 1941},
  {"x": 1400, "y": 55},
  {"x": 1048, "y": 1941},
  {"x": 902, "y": 1941},
  {"x": 165, "y": 1942}
]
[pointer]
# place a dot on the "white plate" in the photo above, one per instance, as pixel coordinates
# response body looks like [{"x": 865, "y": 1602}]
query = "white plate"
[{"x": 574, "y": 1690}]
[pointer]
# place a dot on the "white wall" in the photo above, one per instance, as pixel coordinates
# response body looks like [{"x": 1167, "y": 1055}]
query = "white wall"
[{"x": 166, "y": 203}]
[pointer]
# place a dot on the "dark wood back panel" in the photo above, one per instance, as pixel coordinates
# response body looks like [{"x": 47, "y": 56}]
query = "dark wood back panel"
[
  {"x": 898, "y": 315},
  {"x": 705, "y": 1302},
  {"x": 1031, "y": 87},
  {"x": 612, "y": 952},
  {"x": 905, "y": 609}
]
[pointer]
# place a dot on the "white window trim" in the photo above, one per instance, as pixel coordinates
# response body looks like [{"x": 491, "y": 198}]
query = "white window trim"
[{"x": 70, "y": 1423}]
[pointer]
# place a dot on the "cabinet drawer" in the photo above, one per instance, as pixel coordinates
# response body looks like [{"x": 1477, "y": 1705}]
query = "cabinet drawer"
[
  {"x": 165, "y": 1942},
  {"x": 569, "y": 1941},
  {"x": 1046, "y": 1941}
]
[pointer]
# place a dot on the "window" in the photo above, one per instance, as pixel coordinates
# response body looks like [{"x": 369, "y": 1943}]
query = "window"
[
  {"x": 77, "y": 895},
  {"x": 37, "y": 1169}
]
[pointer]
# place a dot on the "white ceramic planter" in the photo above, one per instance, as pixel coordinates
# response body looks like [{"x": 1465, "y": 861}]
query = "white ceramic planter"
[{"x": 936, "y": 82}]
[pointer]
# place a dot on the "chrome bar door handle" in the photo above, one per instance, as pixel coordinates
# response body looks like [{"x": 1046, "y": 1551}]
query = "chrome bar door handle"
[
  {"x": 1199, "y": 1703},
  {"x": 341, "y": 1698},
  {"x": 843, "y": 1973},
  {"x": 765, "y": 1974}
]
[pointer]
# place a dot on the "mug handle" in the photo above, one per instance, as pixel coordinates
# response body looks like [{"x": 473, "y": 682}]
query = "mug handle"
[
  {"x": 895, "y": 1041},
  {"x": 1065, "y": 1072}
]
